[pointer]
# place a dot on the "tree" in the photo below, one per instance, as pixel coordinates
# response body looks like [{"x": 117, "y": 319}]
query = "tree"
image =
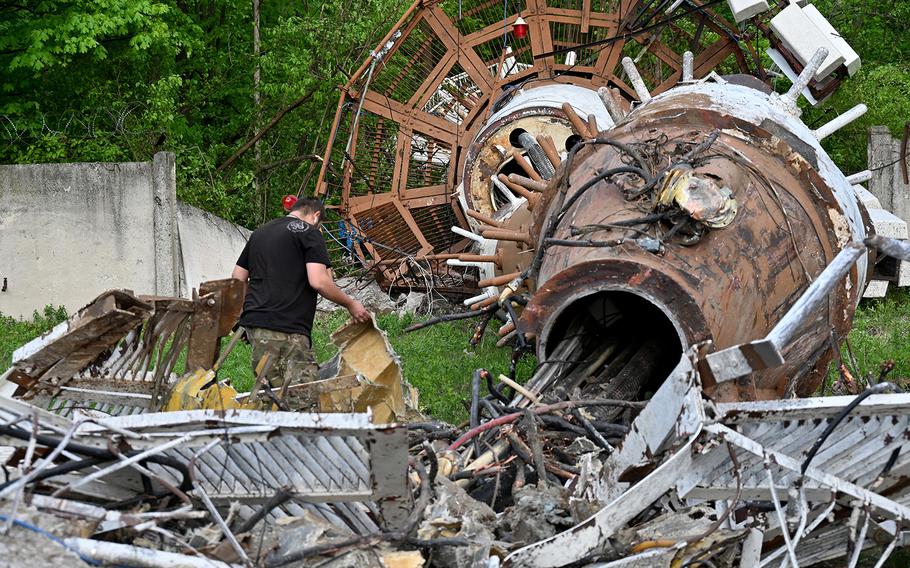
[{"x": 105, "y": 80}]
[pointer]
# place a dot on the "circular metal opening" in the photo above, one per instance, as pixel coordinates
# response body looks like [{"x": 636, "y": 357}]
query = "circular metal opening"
[
  {"x": 572, "y": 141},
  {"x": 626, "y": 345},
  {"x": 514, "y": 137}
]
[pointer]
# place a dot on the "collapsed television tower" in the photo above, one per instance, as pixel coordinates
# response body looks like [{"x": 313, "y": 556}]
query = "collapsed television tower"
[{"x": 618, "y": 175}]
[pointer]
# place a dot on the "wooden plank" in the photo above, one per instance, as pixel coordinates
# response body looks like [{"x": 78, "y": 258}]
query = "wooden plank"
[
  {"x": 203, "y": 346},
  {"x": 89, "y": 330},
  {"x": 428, "y": 88},
  {"x": 452, "y": 39},
  {"x": 419, "y": 120},
  {"x": 609, "y": 57},
  {"x": 425, "y": 246},
  {"x": 415, "y": 7},
  {"x": 363, "y": 203},
  {"x": 541, "y": 39},
  {"x": 402, "y": 160},
  {"x": 80, "y": 357},
  {"x": 585, "y": 16}
]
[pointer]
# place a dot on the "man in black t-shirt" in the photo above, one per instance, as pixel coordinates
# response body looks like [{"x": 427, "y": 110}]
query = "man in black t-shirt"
[{"x": 285, "y": 264}]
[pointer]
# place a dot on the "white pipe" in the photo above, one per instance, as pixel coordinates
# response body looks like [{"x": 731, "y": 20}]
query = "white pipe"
[
  {"x": 841, "y": 121},
  {"x": 613, "y": 109},
  {"x": 688, "y": 70},
  {"x": 490, "y": 292},
  {"x": 513, "y": 199},
  {"x": 635, "y": 77},
  {"x": 809, "y": 71},
  {"x": 468, "y": 234},
  {"x": 860, "y": 177},
  {"x": 125, "y": 554},
  {"x": 481, "y": 265}
]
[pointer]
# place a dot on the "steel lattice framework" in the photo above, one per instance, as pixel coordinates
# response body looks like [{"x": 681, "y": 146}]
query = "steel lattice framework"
[{"x": 406, "y": 120}]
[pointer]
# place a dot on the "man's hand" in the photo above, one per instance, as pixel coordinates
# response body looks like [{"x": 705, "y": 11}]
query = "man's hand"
[
  {"x": 358, "y": 312},
  {"x": 320, "y": 278}
]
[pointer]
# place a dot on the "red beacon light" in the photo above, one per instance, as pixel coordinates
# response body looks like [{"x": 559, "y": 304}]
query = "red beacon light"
[
  {"x": 288, "y": 201},
  {"x": 520, "y": 28}
]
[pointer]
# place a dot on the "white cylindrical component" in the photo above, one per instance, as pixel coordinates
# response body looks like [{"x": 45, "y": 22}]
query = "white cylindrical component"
[
  {"x": 513, "y": 199},
  {"x": 508, "y": 64},
  {"x": 635, "y": 77},
  {"x": 464, "y": 263},
  {"x": 841, "y": 121},
  {"x": 860, "y": 177},
  {"x": 468, "y": 234},
  {"x": 490, "y": 292},
  {"x": 571, "y": 57},
  {"x": 688, "y": 70},
  {"x": 674, "y": 6},
  {"x": 808, "y": 73},
  {"x": 128, "y": 555},
  {"x": 616, "y": 113}
]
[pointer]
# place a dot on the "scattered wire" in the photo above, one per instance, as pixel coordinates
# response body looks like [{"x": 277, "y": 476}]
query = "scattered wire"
[
  {"x": 49, "y": 536},
  {"x": 879, "y": 388}
]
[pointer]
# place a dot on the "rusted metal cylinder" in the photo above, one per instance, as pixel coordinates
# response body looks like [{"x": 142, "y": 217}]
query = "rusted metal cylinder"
[{"x": 782, "y": 211}]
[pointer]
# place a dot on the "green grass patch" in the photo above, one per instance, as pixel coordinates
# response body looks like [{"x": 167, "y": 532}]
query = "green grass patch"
[
  {"x": 881, "y": 332},
  {"x": 16, "y": 332}
]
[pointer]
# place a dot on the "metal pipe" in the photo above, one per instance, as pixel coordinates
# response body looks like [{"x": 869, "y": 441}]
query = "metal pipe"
[
  {"x": 808, "y": 73},
  {"x": 688, "y": 69},
  {"x": 841, "y": 121},
  {"x": 635, "y": 78},
  {"x": 538, "y": 156}
]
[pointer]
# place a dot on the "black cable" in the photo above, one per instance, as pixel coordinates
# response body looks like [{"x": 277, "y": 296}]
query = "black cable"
[
  {"x": 840, "y": 417},
  {"x": 75, "y": 465},
  {"x": 496, "y": 390},
  {"x": 519, "y": 335},
  {"x": 598, "y": 178},
  {"x": 49, "y": 441},
  {"x": 629, "y": 35},
  {"x": 475, "y": 405},
  {"x": 490, "y": 408}
]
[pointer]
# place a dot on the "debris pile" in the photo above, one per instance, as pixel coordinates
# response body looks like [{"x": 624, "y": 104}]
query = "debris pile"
[{"x": 678, "y": 479}]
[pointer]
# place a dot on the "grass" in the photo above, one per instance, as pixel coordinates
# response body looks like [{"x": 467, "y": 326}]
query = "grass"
[
  {"x": 15, "y": 332},
  {"x": 881, "y": 332}
]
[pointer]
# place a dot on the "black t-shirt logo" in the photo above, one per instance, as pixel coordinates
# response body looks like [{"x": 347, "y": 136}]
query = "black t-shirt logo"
[{"x": 298, "y": 227}]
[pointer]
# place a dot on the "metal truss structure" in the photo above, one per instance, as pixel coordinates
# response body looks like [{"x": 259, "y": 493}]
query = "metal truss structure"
[{"x": 407, "y": 123}]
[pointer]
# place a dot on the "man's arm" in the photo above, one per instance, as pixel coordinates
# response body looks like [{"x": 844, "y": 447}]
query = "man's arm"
[
  {"x": 321, "y": 281},
  {"x": 240, "y": 273}
]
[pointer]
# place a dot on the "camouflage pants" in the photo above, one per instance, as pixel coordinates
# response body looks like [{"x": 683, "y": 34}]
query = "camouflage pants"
[{"x": 291, "y": 354}]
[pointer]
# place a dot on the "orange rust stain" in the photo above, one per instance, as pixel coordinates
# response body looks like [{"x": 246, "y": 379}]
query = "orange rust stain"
[{"x": 640, "y": 277}]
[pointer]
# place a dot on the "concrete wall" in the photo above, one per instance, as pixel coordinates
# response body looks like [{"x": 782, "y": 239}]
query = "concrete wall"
[
  {"x": 71, "y": 231},
  {"x": 887, "y": 183},
  {"x": 209, "y": 246}
]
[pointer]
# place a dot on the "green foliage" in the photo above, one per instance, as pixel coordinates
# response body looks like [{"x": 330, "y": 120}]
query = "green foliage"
[
  {"x": 880, "y": 34},
  {"x": 108, "y": 80},
  {"x": 15, "y": 332},
  {"x": 881, "y": 332}
]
